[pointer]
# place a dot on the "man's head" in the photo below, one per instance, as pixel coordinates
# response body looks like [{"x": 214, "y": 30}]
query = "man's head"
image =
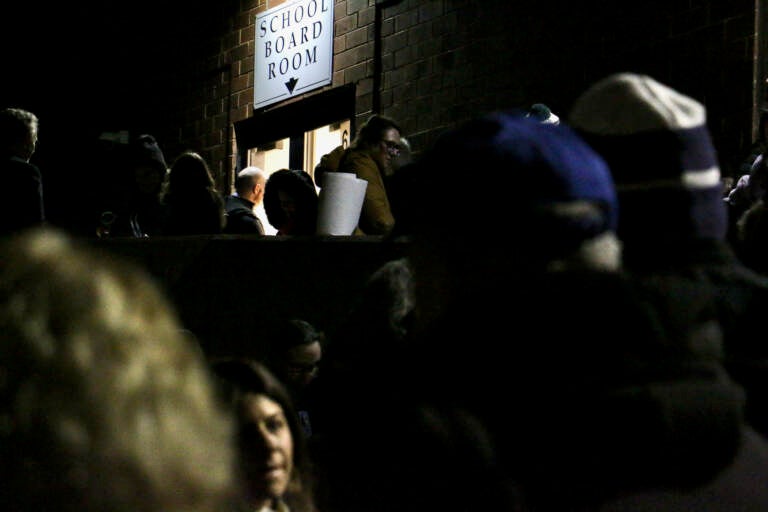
[
  {"x": 295, "y": 351},
  {"x": 380, "y": 136},
  {"x": 147, "y": 165},
  {"x": 535, "y": 197},
  {"x": 249, "y": 184},
  {"x": 18, "y": 133},
  {"x": 520, "y": 178}
]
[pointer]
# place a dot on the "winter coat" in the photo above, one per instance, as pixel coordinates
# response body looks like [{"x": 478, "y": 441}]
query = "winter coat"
[{"x": 376, "y": 216}]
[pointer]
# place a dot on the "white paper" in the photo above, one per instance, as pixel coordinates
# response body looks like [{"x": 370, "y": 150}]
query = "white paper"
[{"x": 340, "y": 203}]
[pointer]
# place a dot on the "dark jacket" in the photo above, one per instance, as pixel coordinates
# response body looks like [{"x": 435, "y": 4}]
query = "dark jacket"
[
  {"x": 376, "y": 215},
  {"x": 21, "y": 198},
  {"x": 200, "y": 213},
  {"x": 240, "y": 217},
  {"x": 629, "y": 406},
  {"x": 740, "y": 485},
  {"x": 740, "y": 298}
]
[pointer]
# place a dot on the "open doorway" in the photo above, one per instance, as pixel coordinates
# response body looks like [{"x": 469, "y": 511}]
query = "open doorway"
[
  {"x": 296, "y": 135},
  {"x": 276, "y": 155}
]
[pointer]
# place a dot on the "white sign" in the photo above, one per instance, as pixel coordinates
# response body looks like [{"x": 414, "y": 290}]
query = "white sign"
[{"x": 294, "y": 50}]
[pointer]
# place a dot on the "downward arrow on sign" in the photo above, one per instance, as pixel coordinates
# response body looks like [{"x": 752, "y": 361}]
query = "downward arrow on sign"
[{"x": 291, "y": 84}]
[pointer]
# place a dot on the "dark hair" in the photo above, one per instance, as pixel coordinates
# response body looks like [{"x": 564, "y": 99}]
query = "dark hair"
[
  {"x": 299, "y": 185},
  {"x": 144, "y": 150},
  {"x": 283, "y": 335},
  {"x": 372, "y": 131},
  {"x": 238, "y": 377},
  {"x": 382, "y": 316},
  {"x": 189, "y": 172},
  {"x": 293, "y": 332},
  {"x": 193, "y": 204}
]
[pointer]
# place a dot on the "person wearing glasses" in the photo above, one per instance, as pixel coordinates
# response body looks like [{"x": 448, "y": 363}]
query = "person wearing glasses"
[
  {"x": 294, "y": 350},
  {"x": 371, "y": 157}
]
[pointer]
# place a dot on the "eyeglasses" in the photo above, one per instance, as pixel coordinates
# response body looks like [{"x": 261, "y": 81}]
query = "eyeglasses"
[{"x": 393, "y": 148}]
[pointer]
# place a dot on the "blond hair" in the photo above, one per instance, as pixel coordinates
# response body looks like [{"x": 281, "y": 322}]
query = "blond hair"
[{"x": 104, "y": 403}]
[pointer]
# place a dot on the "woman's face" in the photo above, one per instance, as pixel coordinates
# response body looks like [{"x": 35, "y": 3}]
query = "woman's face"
[{"x": 266, "y": 445}]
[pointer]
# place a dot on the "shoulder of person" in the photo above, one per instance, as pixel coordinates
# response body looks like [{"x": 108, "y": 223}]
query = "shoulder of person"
[
  {"x": 235, "y": 203},
  {"x": 21, "y": 165},
  {"x": 241, "y": 212},
  {"x": 217, "y": 198},
  {"x": 751, "y": 224},
  {"x": 355, "y": 157},
  {"x": 331, "y": 160}
]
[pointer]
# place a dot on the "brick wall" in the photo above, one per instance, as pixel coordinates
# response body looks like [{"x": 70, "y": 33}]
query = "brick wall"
[{"x": 443, "y": 61}]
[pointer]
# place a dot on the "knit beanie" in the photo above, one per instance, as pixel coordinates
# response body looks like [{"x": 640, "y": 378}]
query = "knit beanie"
[
  {"x": 511, "y": 176},
  {"x": 144, "y": 150},
  {"x": 658, "y": 147},
  {"x": 543, "y": 114}
]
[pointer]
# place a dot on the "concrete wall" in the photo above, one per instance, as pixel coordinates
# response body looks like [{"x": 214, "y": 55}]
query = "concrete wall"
[{"x": 227, "y": 288}]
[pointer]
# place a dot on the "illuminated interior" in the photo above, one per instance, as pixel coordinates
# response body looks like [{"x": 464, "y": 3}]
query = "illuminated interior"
[{"x": 275, "y": 155}]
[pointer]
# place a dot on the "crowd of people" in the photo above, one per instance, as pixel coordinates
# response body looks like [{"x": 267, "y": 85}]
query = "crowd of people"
[
  {"x": 152, "y": 197},
  {"x": 602, "y": 355}
]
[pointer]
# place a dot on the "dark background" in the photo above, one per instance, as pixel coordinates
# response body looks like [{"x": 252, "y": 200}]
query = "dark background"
[{"x": 85, "y": 69}]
